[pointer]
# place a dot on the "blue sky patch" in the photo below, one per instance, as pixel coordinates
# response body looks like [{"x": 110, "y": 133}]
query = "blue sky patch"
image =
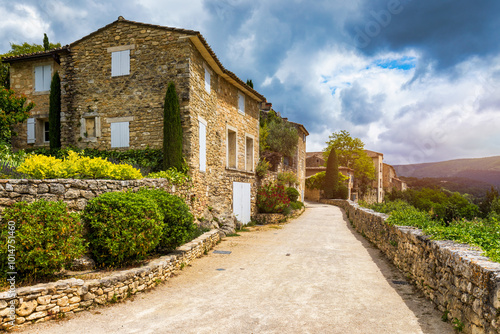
[{"x": 404, "y": 63}]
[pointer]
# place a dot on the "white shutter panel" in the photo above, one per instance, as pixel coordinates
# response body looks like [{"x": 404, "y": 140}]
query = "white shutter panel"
[
  {"x": 207, "y": 81},
  {"x": 241, "y": 102},
  {"x": 47, "y": 77},
  {"x": 38, "y": 78},
  {"x": 124, "y": 135},
  {"x": 31, "y": 130},
  {"x": 115, "y": 64},
  {"x": 125, "y": 62},
  {"x": 115, "y": 135},
  {"x": 203, "y": 146}
]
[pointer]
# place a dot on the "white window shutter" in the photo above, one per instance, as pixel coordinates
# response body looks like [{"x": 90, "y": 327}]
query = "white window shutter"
[
  {"x": 125, "y": 62},
  {"x": 115, "y": 64},
  {"x": 39, "y": 78},
  {"x": 207, "y": 81},
  {"x": 125, "y": 134},
  {"x": 47, "y": 77},
  {"x": 203, "y": 146},
  {"x": 241, "y": 102},
  {"x": 115, "y": 136},
  {"x": 31, "y": 130}
]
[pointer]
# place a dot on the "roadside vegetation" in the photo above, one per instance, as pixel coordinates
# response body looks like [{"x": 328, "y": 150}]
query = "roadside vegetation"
[{"x": 446, "y": 216}]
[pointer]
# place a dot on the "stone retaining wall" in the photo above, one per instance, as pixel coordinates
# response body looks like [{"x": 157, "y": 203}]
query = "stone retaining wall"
[
  {"x": 76, "y": 193},
  {"x": 458, "y": 279},
  {"x": 276, "y": 218},
  {"x": 44, "y": 302}
]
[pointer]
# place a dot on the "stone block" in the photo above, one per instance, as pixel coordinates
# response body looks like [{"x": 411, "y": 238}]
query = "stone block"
[
  {"x": 62, "y": 301},
  {"x": 44, "y": 300},
  {"x": 36, "y": 315},
  {"x": 26, "y": 308}
]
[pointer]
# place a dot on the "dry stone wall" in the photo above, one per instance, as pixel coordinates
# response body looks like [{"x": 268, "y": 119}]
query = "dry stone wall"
[
  {"x": 44, "y": 302},
  {"x": 77, "y": 193},
  {"x": 458, "y": 279}
]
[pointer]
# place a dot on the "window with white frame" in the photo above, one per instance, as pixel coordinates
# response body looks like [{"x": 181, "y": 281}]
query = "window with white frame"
[
  {"x": 120, "y": 63},
  {"x": 203, "y": 144},
  {"x": 46, "y": 131},
  {"x": 249, "y": 154},
  {"x": 207, "y": 80},
  {"x": 43, "y": 75},
  {"x": 120, "y": 135},
  {"x": 241, "y": 102},
  {"x": 231, "y": 149}
]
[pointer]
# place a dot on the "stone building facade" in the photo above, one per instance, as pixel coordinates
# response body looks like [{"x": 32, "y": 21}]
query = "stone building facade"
[
  {"x": 391, "y": 180},
  {"x": 113, "y": 85}
]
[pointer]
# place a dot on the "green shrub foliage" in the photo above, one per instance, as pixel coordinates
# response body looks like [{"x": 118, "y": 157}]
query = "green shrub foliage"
[
  {"x": 342, "y": 192},
  {"x": 172, "y": 130},
  {"x": 47, "y": 237},
  {"x": 178, "y": 226},
  {"x": 292, "y": 193},
  {"x": 296, "y": 205},
  {"x": 122, "y": 227},
  {"x": 55, "y": 112}
]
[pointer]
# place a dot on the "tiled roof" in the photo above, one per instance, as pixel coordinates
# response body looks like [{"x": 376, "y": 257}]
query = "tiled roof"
[{"x": 121, "y": 19}]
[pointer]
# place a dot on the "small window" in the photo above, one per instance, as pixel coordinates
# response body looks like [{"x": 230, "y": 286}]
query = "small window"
[
  {"x": 207, "y": 80},
  {"x": 43, "y": 75},
  {"x": 241, "y": 103},
  {"x": 90, "y": 129},
  {"x": 231, "y": 149},
  {"x": 46, "y": 132},
  {"x": 120, "y": 63},
  {"x": 120, "y": 134},
  {"x": 203, "y": 146},
  {"x": 249, "y": 155}
]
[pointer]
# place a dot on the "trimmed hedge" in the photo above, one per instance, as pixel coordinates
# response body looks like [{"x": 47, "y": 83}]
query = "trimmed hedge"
[
  {"x": 292, "y": 193},
  {"x": 178, "y": 226},
  {"x": 123, "y": 227},
  {"x": 46, "y": 237}
]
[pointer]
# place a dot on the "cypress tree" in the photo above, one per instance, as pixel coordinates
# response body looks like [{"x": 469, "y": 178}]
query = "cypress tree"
[
  {"x": 55, "y": 112},
  {"x": 172, "y": 130},
  {"x": 46, "y": 44},
  {"x": 331, "y": 181}
]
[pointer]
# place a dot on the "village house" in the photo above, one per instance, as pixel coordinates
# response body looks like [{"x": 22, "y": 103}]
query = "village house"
[
  {"x": 113, "y": 85},
  {"x": 391, "y": 180}
]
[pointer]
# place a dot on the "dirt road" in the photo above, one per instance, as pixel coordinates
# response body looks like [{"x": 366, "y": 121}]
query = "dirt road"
[{"x": 313, "y": 275}]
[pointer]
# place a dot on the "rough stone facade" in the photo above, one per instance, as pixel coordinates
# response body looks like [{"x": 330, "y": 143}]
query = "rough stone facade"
[
  {"x": 49, "y": 301},
  {"x": 94, "y": 100},
  {"x": 458, "y": 279}
]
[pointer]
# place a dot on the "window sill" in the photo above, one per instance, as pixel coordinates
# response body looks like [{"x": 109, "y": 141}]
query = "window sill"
[
  {"x": 236, "y": 170},
  {"x": 45, "y": 92}
]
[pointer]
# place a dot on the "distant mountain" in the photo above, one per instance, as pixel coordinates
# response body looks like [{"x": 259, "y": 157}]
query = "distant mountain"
[{"x": 484, "y": 170}]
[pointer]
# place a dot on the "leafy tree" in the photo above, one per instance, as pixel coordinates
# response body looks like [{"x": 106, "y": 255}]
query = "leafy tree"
[
  {"x": 250, "y": 83},
  {"x": 172, "y": 130},
  {"x": 19, "y": 49},
  {"x": 55, "y": 112},
  {"x": 278, "y": 135},
  {"x": 331, "y": 181},
  {"x": 350, "y": 153},
  {"x": 12, "y": 111}
]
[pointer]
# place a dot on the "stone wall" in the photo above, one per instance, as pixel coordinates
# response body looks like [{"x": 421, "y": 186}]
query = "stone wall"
[
  {"x": 276, "y": 218},
  {"x": 49, "y": 301},
  {"x": 76, "y": 193},
  {"x": 458, "y": 279}
]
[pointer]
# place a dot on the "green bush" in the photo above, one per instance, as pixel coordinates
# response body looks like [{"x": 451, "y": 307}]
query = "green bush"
[
  {"x": 262, "y": 168},
  {"x": 287, "y": 178},
  {"x": 47, "y": 237},
  {"x": 410, "y": 216},
  {"x": 171, "y": 174},
  {"x": 178, "y": 225},
  {"x": 122, "y": 227},
  {"x": 292, "y": 193},
  {"x": 342, "y": 192},
  {"x": 271, "y": 198},
  {"x": 296, "y": 205}
]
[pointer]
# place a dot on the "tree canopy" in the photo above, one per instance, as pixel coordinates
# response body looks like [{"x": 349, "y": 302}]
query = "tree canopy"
[
  {"x": 277, "y": 135},
  {"x": 13, "y": 110},
  {"x": 350, "y": 153}
]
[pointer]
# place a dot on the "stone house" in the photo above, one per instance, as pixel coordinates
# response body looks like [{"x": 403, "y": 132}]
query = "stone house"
[
  {"x": 113, "y": 84},
  {"x": 391, "y": 180},
  {"x": 377, "y": 192}
]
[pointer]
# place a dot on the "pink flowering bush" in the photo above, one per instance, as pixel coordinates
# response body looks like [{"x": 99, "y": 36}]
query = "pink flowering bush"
[{"x": 272, "y": 198}]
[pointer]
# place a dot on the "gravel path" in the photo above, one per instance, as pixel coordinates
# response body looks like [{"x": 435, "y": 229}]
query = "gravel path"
[{"x": 313, "y": 275}]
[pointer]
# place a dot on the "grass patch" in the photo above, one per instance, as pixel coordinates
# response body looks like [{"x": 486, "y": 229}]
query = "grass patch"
[{"x": 232, "y": 235}]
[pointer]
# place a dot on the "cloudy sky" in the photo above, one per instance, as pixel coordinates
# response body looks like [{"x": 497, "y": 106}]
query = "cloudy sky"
[{"x": 416, "y": 80}]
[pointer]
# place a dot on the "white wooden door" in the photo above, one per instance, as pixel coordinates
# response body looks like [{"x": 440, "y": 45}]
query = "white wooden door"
[{"x": 241, "y": 201}]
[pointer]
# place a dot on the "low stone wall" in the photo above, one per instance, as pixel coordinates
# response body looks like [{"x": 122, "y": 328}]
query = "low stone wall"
[
  {"x": 276, "y": 218},
  {"x": 76, "y": 193},
  {"x": 458, "y": 279},
  {"x": 44, "y": 302}
]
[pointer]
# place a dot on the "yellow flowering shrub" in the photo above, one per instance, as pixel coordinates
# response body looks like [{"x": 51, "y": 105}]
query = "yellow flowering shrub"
[{"x": 76, "y": 166}]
